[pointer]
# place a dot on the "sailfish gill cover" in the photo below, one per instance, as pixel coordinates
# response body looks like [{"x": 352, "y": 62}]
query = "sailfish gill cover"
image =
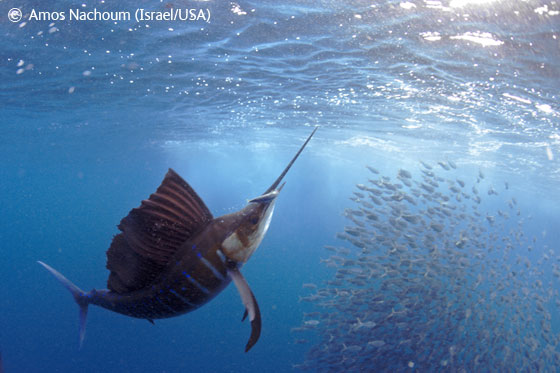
[{"x": 416, "y": 232}]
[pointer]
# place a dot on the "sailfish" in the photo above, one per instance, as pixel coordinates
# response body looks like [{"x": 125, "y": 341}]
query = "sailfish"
[{"x": 172, "y": 256}]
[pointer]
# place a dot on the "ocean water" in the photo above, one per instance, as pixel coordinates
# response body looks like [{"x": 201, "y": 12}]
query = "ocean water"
[{"x": 93, "y": 113}]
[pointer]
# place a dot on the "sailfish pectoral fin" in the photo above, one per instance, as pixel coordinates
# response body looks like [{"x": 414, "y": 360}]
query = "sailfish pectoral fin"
[{"x": 251, "y": 306}]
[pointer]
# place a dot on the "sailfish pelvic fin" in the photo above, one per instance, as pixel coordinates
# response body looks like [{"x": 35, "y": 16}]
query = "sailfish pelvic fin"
[
  {"x": 251, "y": 306},
  {"x": 78, "y": 295}
]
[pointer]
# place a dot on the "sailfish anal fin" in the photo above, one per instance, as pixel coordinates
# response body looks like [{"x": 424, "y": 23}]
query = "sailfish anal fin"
[
  {"x": 251, "y": 306},
  {"x": 152, "y": 233}
]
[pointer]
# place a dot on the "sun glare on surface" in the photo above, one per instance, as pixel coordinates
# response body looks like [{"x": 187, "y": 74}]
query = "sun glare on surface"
[{"x": 462, "y": 3}]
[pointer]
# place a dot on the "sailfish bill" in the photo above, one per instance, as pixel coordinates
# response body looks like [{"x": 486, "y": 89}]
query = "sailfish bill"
[{"x": 172, "y": 256}]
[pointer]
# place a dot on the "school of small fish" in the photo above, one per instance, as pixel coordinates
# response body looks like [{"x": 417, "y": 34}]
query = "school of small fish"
[{"x": 428, "y": 279}]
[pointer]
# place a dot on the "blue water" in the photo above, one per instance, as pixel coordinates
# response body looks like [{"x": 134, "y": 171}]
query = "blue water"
[{"x": 94, "y": 113}]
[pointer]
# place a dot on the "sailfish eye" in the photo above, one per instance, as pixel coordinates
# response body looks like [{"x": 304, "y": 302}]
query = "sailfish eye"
[{"x": 254, "y": 220}]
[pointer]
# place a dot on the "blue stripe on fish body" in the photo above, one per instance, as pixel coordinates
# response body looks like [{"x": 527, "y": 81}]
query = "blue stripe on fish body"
[{"x": 181, "y": 290}]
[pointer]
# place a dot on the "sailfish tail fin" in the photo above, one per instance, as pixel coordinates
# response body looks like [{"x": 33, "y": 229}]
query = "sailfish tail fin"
[{"x": 78, "y": 295}]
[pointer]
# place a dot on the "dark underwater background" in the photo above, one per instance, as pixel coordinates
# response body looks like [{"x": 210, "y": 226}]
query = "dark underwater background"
[{"x": 93, "y": 114}]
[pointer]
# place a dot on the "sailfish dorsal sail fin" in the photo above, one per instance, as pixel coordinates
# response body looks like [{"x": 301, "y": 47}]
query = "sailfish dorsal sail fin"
[{"x": 152, "y": 233}]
